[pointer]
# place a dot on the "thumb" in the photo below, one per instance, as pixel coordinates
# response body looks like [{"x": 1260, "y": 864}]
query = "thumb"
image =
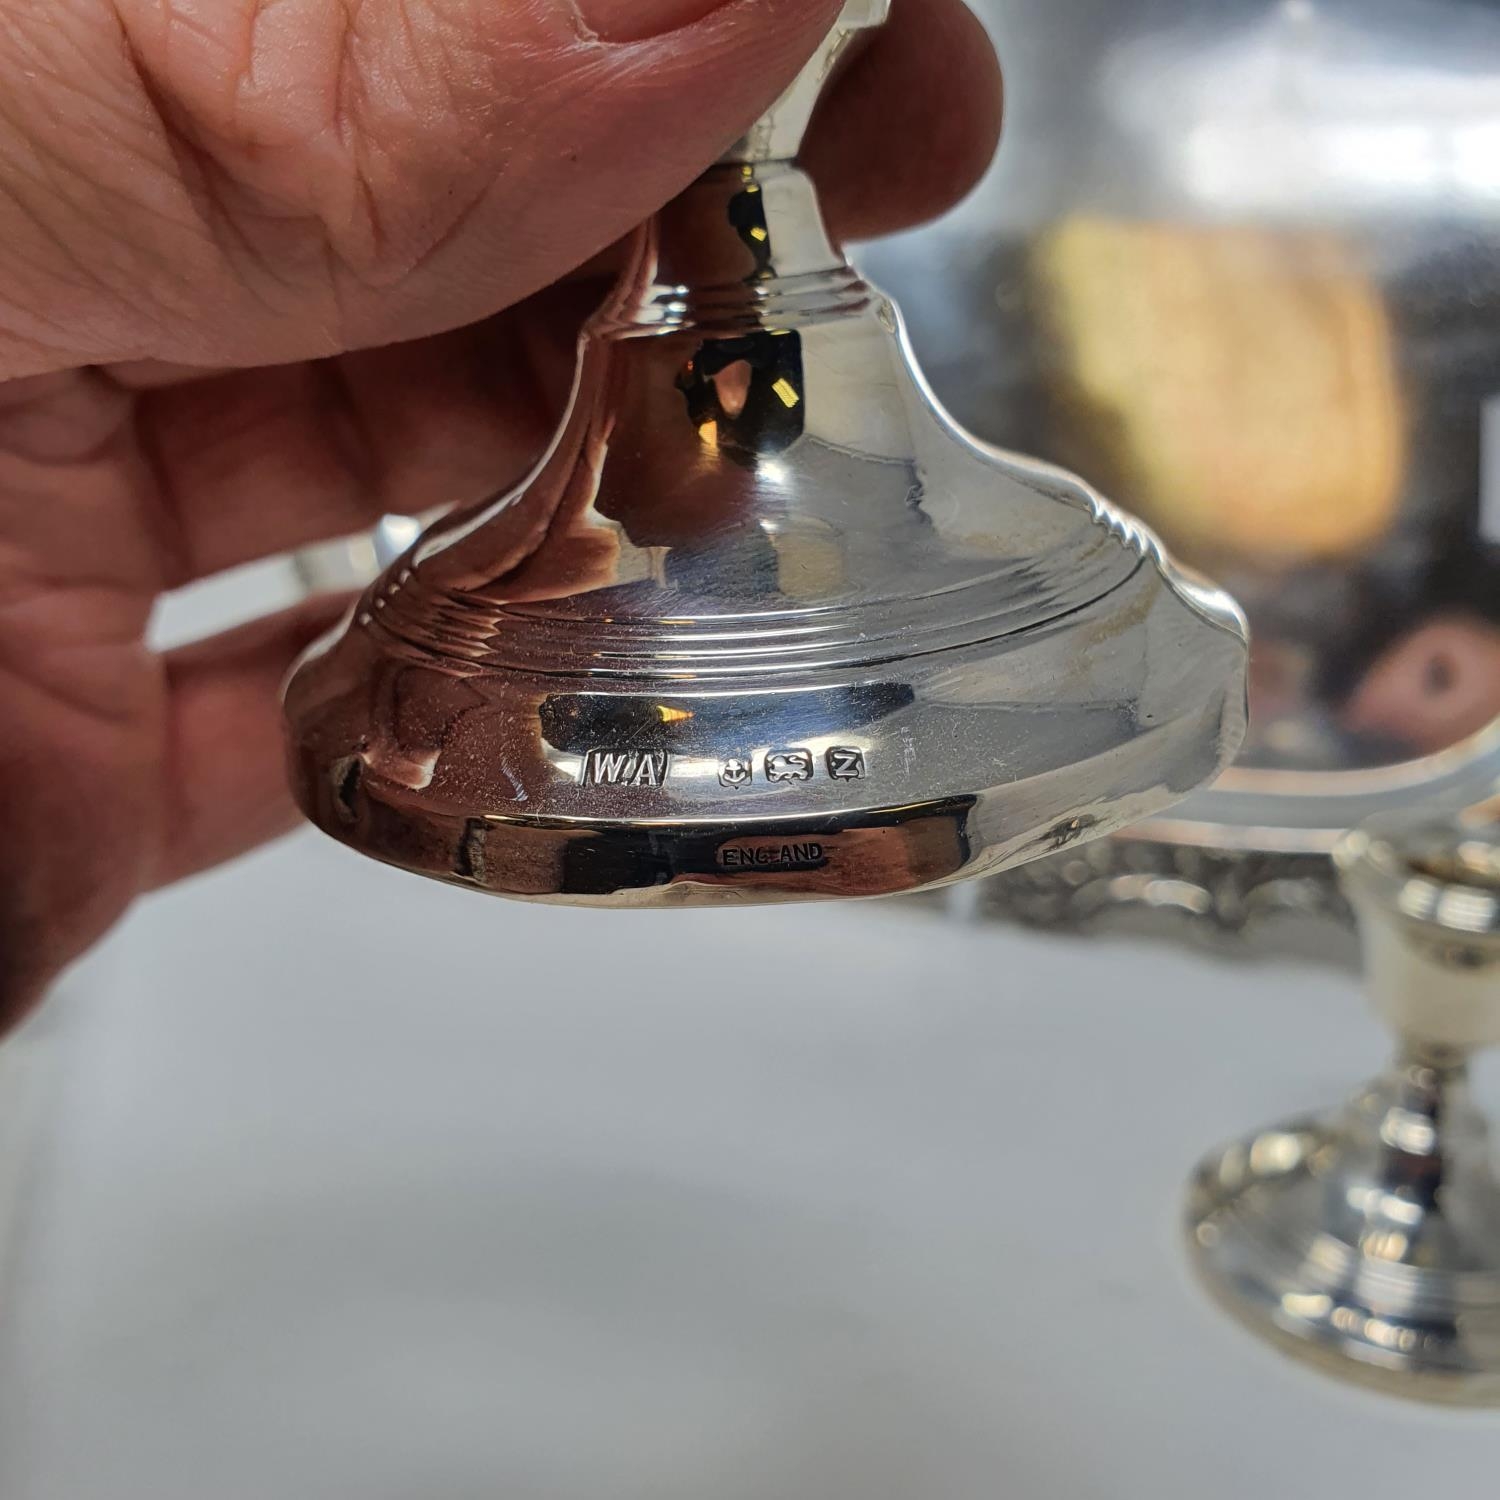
[{"x": 236, "y": 182}]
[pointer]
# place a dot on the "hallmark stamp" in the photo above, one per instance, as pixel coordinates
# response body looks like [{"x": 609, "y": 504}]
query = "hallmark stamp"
[
  {"x": 789, "y": 765},
  {"x": 631, "y": 768},
  {"x": 846, "y": 764},
  {"x": 736, "y": 773},
  {"x": 772, "y": 856}
]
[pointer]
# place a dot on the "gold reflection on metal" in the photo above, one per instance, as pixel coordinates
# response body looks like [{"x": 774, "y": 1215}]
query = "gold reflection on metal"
[
  {"x": 1239, "y": 383},
  {"x": 809, "y": 564}
]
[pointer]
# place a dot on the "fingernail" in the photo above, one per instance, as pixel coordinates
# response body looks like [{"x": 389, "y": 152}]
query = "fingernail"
[{"x": 639, "y": 20}]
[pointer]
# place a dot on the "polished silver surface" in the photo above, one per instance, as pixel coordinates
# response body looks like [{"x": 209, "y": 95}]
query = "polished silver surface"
[
  {"x": 763, "y": 624},
  {"x": 1239, "y": 265},
  {"x": 1369, "y": 1240}
]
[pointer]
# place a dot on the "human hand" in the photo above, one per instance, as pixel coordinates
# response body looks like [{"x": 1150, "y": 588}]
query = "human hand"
[{"x": 270, "y": 268}]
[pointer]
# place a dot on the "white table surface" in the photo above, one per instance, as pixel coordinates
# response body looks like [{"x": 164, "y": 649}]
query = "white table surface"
[{"x": 359, "y": 1187}]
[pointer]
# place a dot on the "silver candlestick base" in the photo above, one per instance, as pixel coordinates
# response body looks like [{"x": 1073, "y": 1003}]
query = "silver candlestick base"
[
  {"x": 1368, "y": 1241},
  {"x": 763, "y": 624}
]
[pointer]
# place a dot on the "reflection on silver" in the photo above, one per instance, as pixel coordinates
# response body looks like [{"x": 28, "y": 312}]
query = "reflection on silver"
[
  {"x": 763, "y": 624},
  {"x": 1369, "y": 1240},
  {"x": 1240, "y": 265},
  {"x": 354, "y": 562}
]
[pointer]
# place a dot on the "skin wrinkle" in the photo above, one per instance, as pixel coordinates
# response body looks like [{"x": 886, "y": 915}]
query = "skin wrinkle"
[
  {"x": 581, "y": 28},
  {"x": 173, "y": 19},
  {"x": 228, "y": 229},
  {"x": 59, "y": 323},
  {"x": 266, "y": 430},
  {"x": 37, "y": 169},
  {"x": 459, "y": 211},
  {"x": 179, "y": 147},
  {"x": 348, "y": 224},
  {"x": 22, "y": 579},
  {"x": 619, "y": 64},
  {"x": 249, "y": 231},
  {"x": 119, "y": 136},
  {"x": 425, "y": 73},
  {"x": 57, "y": 185},
  {"x": 453, "y": 71},
  {"x": 248, "y": 80},
  {"x": 362, "y": 247},
  {"x": 57, "y": 628},
  {"x": 229, "y": 220},
  {"x": 350, "y": 103},
  {"x": 362, "y": 121},
  {"x": 612, "y": 63},
  {"x": 167, "y": 211},
  {"x": 299, "y": 228},
  {"x": 98, "y": 208},
  {"x": 194, "y": 195}
]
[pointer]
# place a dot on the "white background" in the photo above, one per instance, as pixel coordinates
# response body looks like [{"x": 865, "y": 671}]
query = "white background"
[{"x": 359, "y": 1187}]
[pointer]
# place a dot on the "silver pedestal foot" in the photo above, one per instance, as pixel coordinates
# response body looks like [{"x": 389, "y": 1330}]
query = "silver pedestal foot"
[{"x": 1368, "y": 1241}]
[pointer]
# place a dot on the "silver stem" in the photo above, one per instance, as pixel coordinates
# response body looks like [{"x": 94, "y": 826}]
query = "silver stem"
[{"x": 777, "y": 135}]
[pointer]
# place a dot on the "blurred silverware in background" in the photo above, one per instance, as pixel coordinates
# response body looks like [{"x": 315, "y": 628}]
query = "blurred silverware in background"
[
  {"x": 1368, "y": 1240},
  {"x": 1239, "y": 264}
]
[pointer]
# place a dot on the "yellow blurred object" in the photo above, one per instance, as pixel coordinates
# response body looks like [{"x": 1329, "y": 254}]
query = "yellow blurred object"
[{"x": 1240, "y": 384}]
